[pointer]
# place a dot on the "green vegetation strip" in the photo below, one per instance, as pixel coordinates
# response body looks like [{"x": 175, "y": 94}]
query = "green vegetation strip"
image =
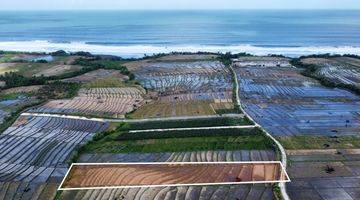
[
  {"x": 320, "y": 142},
  {"x": 257, "y": 142},
  {"x": 188, "y": 133},
  {"x": 173, "y": 141},
  {"x": 190, "y": 123}
]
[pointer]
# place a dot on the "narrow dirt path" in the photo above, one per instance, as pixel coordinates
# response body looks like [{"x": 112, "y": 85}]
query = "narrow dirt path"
[
  {"x": 132, "y": 120},
  {"x": 194, "y": 128}
]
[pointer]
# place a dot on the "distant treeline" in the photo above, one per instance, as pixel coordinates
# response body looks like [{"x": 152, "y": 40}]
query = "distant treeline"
[
  {"x": 14, "y": 79},
  {"x": 226, "y": 58},
  {"x": 328, "y": 55},
  {"x": 98, "y": 63}
]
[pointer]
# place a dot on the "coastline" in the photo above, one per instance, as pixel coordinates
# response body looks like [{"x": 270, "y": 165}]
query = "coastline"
[{"x": 138, "y": 51}]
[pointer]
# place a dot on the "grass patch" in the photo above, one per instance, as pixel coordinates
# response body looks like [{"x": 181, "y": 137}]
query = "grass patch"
[
  {"x": 250, "y": 142},
  {"x": 320, "y": 142},
  {"x": 16, "y": 95},
  {"x": 105, "y": 82},
  {"x": 6, "y": 57}
]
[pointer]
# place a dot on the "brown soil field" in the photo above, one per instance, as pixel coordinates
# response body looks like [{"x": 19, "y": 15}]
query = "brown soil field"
[
  {"x": 85, "y": 175},
  {"x": 24, "y": 89},
  {"x": 171, "y": 109},
  {"x": 58, "y": 70},
  {"x": 7, "y": 67},
  {"x": 97, "y": 74}
]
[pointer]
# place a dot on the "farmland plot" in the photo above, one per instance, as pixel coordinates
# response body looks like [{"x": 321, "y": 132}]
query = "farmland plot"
[
  {"x": 257, "y": 191},
  {"x": 7, "y": 67},
  {"x": 343, "y": 70},
  {"x": 164, "y": 174},
  {"x": 97, "y": 74},
  {"x": 205, "y": 84},
  {"x": 262, "y": 61},
  {"x": 34, "y": 153},
  {"x": 109, "y": 102},
  {"x": 334, "y": 174},
  {"x": 29, "y": 65},
  {"x": 286, "y": 103},
  {"x": 15, "y": 99},
  {"x": 185, "y": 77}
]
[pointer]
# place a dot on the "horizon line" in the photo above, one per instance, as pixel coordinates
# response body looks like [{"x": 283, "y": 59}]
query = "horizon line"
[{"x": 175, "y": 9}]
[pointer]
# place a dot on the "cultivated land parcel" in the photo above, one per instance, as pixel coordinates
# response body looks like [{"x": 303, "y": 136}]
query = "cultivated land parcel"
[{"x": 82, "y": 108}]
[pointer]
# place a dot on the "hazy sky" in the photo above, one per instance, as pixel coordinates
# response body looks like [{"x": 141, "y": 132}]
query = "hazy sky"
[{"x": 178, "y": 4}]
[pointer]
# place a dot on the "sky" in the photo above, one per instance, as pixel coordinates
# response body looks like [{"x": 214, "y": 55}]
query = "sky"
[{"x": 176, "y": 4}]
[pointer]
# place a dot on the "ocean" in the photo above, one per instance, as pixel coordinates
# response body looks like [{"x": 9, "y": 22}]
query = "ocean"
[{"x": 135, "y": 33}]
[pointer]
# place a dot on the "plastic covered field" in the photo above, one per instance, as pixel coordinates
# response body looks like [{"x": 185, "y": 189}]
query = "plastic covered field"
[
  {"x": 287, "y": 103},
  {"x": 199, "y": 80},
  {"x": 34, "y": 154}
]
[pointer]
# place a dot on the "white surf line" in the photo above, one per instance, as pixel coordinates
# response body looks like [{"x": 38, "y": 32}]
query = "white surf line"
[
  {"x": 282, "y": 186},
  {"x": 283, "y": 173},
  {"x": 194, "y": 128},
  {"x": 130, "y": 120}
]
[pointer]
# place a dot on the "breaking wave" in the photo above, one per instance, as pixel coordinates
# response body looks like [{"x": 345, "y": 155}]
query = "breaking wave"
[{"x": 140, "y": 50}]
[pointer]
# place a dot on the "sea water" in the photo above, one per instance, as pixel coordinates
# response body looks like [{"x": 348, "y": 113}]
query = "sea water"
[{"x": 135, "y": 33}]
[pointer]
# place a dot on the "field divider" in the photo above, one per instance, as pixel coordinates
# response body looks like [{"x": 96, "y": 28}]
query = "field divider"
[
  {"x": 131, "y": 120},
  {"x": 195, "y": 128}
]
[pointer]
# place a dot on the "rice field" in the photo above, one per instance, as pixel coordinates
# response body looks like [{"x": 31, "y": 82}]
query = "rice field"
[
  {"x": 344, "y": 70},
  {"x": 185, "y": 77},
  {"x": 261, "y": 61},
  {"x": 28, "y": 64},
  {"x": 334, "y": 174},
  {"x": 286, "y": 103},
  {"x": 97, "y": 75},
  {"x": 15, "y": 99},
  {"x": 108, "y": 102},
  {"x": 35, "y": 151},
  {"x": 184, "y": 88},
  {"x": 314, "y": 123}
]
